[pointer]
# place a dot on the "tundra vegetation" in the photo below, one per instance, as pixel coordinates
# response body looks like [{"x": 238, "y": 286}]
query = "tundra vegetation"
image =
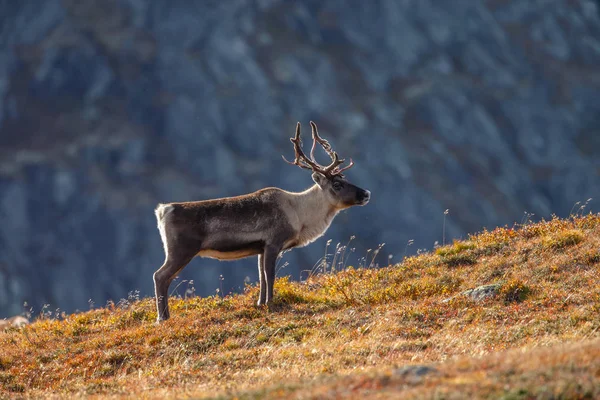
[{"x": 401, "y": 331}]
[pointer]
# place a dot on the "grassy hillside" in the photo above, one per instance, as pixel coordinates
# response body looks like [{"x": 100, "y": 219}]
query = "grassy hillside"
[{"x": 403, "y": 331}]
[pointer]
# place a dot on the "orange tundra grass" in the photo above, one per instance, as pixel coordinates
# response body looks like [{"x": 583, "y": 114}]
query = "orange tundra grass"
[{"x": 342, "y": 334}]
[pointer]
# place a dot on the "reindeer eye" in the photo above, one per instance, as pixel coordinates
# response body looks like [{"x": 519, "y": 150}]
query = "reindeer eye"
[{"x": 337, "y": 185}]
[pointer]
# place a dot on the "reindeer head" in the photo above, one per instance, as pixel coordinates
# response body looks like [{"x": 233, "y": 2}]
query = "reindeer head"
[{"x": 339, "y": 192}]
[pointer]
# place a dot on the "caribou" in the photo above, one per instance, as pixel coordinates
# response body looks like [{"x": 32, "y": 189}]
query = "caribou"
[{"x": 263, "y": 223}]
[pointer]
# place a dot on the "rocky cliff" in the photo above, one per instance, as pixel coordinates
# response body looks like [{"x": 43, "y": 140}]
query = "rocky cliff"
[{"x": 487, "y": 108}]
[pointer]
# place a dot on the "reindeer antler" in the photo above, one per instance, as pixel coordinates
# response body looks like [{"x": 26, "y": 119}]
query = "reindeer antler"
[{"x": 303, "y": 161}]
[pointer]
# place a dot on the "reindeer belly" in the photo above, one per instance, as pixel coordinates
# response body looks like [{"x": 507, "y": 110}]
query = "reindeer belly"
[
  {"x": 227, "y": 255},
  {"x": 231, "y": 249}
]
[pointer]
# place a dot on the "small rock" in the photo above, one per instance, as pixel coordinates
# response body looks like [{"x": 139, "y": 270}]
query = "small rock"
[
  {"x": 480, "y": 292},
  {"x": 483, "y": 292},
  {"x": 414, "y": 373}
]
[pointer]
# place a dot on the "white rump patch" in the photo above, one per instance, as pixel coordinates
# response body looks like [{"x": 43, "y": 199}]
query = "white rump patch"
[{"x": 161, "y": 211}]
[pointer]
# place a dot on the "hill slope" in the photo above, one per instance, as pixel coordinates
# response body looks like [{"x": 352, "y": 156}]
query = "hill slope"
[{"x": 349, "y": 333}]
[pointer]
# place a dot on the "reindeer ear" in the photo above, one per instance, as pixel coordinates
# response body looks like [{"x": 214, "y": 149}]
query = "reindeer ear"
[{"x": 319, "y": 179}]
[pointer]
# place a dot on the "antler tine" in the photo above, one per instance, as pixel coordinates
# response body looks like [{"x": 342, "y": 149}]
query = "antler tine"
[
  {"x": 300, "y": 158},
  {"x": 297, "y": 143},
  {"x": 339, "y": 171},
  {"x": 303, "y": 161},
  {"x": 312, "y": 149},
  {"x": 318, "y": 139},
  {"x": 331, "y": 169}
]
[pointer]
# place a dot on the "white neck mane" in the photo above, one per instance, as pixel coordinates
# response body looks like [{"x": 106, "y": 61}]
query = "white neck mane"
[{"x": 314, "y": 212}]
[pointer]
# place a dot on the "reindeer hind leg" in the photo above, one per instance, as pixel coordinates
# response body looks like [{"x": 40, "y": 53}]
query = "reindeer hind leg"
[
  {"x": 163, "y": 277},
  {"x": 178, "y": 253}
]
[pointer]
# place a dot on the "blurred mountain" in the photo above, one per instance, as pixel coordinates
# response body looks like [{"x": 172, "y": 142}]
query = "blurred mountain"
[{"x": 488, "y": 108}]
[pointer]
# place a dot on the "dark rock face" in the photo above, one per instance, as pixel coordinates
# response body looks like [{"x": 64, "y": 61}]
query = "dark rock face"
[{"x": 487, "y": 108}]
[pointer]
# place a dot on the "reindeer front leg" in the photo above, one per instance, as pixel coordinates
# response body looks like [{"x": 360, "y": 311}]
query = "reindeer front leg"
[
  {"x": 262, "y": 279},
  {"x": 270, "y": 259}
]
